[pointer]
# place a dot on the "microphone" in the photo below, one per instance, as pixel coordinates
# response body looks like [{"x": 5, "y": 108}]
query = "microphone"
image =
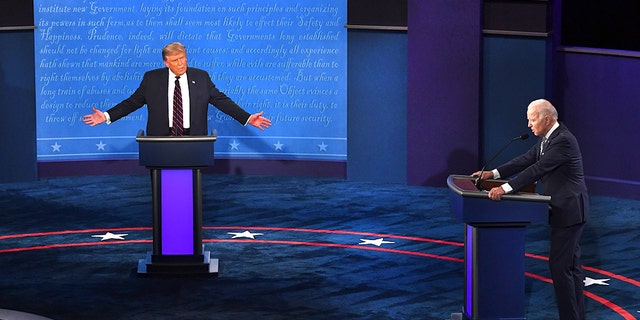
[{"x": 479, "y": 178}]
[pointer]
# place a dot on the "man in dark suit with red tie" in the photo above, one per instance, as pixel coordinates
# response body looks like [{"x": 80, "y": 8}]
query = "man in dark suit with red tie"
[
  {"x": 195, "y": 91},
  {"x": 555, "y": 161}
]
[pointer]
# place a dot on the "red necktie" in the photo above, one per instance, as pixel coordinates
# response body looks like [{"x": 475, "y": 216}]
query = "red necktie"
[{"x": 177, "y": 129}]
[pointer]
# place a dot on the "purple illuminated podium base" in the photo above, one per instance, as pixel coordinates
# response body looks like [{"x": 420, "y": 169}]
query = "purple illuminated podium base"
[
  {"x": 176, "y": 188},
  {"x": 177, "y": 226}
]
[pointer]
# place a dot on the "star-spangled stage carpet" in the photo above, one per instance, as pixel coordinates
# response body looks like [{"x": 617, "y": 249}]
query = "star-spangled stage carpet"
[{"x": 288, "y": 248}]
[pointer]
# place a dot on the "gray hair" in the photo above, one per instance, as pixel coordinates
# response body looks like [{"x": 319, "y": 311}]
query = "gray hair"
[{"x": 541, "y": 108}]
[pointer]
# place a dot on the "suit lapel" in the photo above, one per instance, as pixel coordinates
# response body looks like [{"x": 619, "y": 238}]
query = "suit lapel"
[
  {"x": 555, "y": 133},
  {"x": 164, "y": 92},
  {"x": 191, "y": 83},
  {"x": 542, "y": 146}
]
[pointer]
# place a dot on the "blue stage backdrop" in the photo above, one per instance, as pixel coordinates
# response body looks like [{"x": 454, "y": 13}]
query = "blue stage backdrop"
[{"x": 284, "y": 57}]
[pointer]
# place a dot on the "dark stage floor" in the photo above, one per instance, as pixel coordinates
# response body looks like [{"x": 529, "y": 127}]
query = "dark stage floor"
[{"x": 288, "y": 247}]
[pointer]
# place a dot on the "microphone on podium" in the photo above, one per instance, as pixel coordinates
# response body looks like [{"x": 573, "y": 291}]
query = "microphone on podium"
[{"x": 479, "y": 178}]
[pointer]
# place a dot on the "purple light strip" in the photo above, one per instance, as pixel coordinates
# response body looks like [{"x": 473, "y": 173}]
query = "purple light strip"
[
  {"x": 468, "y": 260},
  {"x": 177, "y": 211}
]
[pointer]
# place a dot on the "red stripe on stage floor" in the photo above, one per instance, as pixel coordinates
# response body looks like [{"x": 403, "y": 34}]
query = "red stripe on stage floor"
[
  {"x": 369, "y": 234},
  {"x": 616, "y": 308},
  {"x": 70, "y": 245},
  {"x": 57, "y": 233},
  {"x": 613, "y": 275},
  {"x": 619, "y": 310},
  {"x": 594, "y": 270},
  {"x": 538, "y": 277},
  {"x": 625, "y": 314},
  {"x": 337, "y": 245}
]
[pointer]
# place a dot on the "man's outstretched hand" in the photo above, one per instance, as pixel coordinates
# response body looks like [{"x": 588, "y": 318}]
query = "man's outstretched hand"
[
  {"x": 258, "y": 121},
  {"x": 95, "y": 118}
]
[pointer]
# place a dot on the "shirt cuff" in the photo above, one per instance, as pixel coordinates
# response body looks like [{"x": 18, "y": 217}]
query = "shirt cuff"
[
  {"x": 106, "y": 115},
  {"x": 506, "y": 187}
]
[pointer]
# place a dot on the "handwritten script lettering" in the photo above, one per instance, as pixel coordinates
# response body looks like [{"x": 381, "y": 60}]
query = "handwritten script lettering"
[{"x": 286, "y": 58}]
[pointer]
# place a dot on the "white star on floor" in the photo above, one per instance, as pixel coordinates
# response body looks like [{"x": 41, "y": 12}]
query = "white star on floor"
[
  {"x": 588, "y": 281},
  {"x": 101, "y": 146},
  {"x": 377, "y": 242},
  {"x": 246, "y": 234},
  {"x": 111, "y": 236}
]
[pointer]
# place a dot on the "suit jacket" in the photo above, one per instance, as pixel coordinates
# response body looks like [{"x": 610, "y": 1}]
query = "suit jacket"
[
  {"x": 561, "y": 174},
  {"x": 153, "y": 91}
]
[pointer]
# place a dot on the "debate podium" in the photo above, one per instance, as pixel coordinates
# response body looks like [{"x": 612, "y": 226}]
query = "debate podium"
[
  {"x": 176, "y": 189},
  {"x": 494, "y": 246}
]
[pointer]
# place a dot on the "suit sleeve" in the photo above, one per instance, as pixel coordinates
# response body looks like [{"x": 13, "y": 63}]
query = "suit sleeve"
[
  {"x": 221, "y": 101},
  {"x": 529, "y": 170},
  {"x": 518, "y": 164},
  {"x": 131, "y": 104}
]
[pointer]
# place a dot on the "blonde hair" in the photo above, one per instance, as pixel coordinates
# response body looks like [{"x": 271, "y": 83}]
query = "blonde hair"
[{"x": 172, "y": 48}]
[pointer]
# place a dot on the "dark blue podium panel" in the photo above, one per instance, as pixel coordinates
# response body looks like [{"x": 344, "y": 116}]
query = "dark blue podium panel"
[
  {"x": 482, "y": 210},
  {"x": 471, "y": 205},
  {"x": 167, "y": 152},
  {"x": 494, "y": 272},
  {"x": 494, "y": 248}
]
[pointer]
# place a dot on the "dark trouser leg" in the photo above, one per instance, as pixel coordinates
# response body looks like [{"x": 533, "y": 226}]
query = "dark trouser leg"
[{"x": 566, "y": 271}]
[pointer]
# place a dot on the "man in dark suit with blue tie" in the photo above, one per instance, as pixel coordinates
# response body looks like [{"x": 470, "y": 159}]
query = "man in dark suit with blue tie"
[
  {"x": 555, "y": 161},
  {"x": 195, "y": 92}
]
